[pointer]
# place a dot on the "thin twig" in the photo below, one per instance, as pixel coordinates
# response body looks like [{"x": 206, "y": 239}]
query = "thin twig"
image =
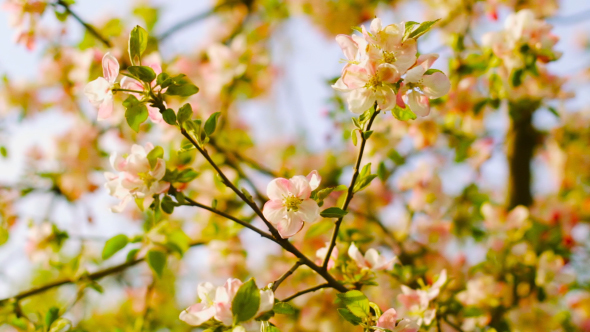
[
  {"x": 230, "y": 217},
  {"x": 303, "y": 292},
  {"x": 88, "y": 27},
  {"x": 194, "y": 19},
  {"x": 350, "y": 192},
  {"x": 92, "y": 276},
  {"x": 276, "y": 284}
]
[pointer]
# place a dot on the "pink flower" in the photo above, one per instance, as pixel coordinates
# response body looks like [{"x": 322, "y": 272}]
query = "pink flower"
[
  {"x": 417, "y": 301},
  {"x": 372, "y": 260},
  {"x": 320, "y": 255},
  {"x": 420, "y": 85},
  {"x": 137, "y": 179},
  {"x": 387, "y": 46},
  {"x": 215, "y": 303},
  {"x": 388, "y": 320},
  {"x": 99, "y": 91},
  {"x": 153, "y": 61},
  {"x": 289, "y": 206}
]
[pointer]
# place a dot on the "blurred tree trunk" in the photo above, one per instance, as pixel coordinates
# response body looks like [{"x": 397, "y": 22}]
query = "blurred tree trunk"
[{"x": 521, "y": 141}]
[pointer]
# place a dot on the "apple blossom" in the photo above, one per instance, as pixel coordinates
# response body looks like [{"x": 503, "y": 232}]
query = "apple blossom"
[
  {"x": 290, "y": 205},
  {"x": 372, "y": 259},
  {"x": 417, "y": 301},
  {"x": 422, "y": 83},
  {"x": 99, "y": 91},
  {"x": 216, "y": 303},
  {"x": 137, "y": 178},
  {"x": 386, "y": 45},
  {"x": 388, "y": 320}
]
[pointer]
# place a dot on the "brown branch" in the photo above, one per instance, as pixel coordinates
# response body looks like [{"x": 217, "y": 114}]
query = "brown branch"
[
  {"x": 303, "y": 292},
  {"x": 276, "y": 284},
  {"x": 350, "y": 192},
  {"x": 521, "y": 141},
  {"x": 87, "y": 26},
  {"x": 92, "y": 276}
]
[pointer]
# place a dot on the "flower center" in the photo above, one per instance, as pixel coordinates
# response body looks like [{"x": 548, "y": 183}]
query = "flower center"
[
  {"x": 292, "y": 203},
  {"x": 389, "y": 57},
  {"x": 147, "y": 178},
  {"x": 374, "y": 82}
]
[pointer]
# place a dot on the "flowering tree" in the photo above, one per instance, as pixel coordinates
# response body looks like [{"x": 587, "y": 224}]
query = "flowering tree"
[{"x": 372, "y": 234}]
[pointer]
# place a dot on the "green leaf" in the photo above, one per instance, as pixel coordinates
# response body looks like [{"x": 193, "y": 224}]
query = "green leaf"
[
  {"x": 367, "y": 134},
  {"x": 156, "y": 153},
  {"x": 356, "y": 122},
  {"x": 284, "y": 308},
  {"x": 3, "y": 151},
  {"x": 346, "y": 314},
  {"x": 403, "y": 114},
  {"x": 364, "y": 182},
  {"x": 423, "y": 28},
  {"x": 356, "y": 302},
  {"x": 184, "y": 90},
  {"x": 180, "y": 240},
  {"x": 270, "y": 328},
  {"x": 169, "y": 116},
  {"x": 113, "y": 245},
  {"x": 61, "y": 325},
  {"x": 168, "y": 204},
  {"x": 211, "y": 123},
  {"x": 156, "y": 259},
  {"x": 516, "y": 77},
  {"x": 137, "y": 44},
  {"x": 354, "y": 137},
  {"x": 131, "y": 255},
  {"x": 382, "y": 172},
  {"x": 136, "y": 112},
  {"x": 187, "y": 175},
  {"x": 184, "y": 113},
  {"x": 432, "y": 71},
  {"x": 51, "y": 315},
  {"x": 144, "y": 73},
  {"x": 408, "y": 28},
  {"x": 333, "y": 212},
  {"x": 554, "y": 111},
  {"x": 163, "y": 80},
  {"x": 246, "y": 302}
]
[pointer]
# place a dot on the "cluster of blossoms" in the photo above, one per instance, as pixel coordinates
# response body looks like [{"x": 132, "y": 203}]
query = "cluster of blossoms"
[
  {"x": 215, "y": 306},
  {"x": 523, "y": 34},
  {"x": 417, "y": 301},
  {"x": 383, "y": 67},
  {"x": 24, "y": 15},
  {"x": 138, "y": 178}
]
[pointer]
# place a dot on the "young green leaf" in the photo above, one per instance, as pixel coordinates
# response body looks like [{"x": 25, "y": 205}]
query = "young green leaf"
[
  {"x": 346, "y": 314},
  {"x": 356, "y": 302},
  {"x": 51, "y": 315},
  {"x": 113, "y": 245},
  {"x": 403, "y": 114},
  {"x": 169, "y": 116},
  {"x": 168, "y": 204},
  {"x": 423, "y": 28},
  {"x": 184, "y": 113},
  {"x": 61, "y": 325},
  {"x": 184, "y": 90},
  {"x": 367, "y": 134},
  {"x": 153, "y": 156},
  {"x": 333, "y": 212},
  {"x": 137, "y": 44},
  {"x": 187, "y": 175},
  {"x": 284, "y": 308},
  {"x": 211, "y": 123},
  {"x": 156, "y": 259},
  {"x": 163, "y": 80},
  {"x": 246, "y": 302},
  {"x": 144, "y": 73},
  {"x": 136, "y": 112}
]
